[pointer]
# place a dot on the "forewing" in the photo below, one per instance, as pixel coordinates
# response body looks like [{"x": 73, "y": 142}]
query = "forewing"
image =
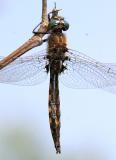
[
  {"x": 85, "y": 72},
  {"x": 29, "y": 70}
]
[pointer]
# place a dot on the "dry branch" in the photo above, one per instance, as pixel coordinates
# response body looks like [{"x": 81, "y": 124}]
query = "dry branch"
[{"x": 34, "y": 41}]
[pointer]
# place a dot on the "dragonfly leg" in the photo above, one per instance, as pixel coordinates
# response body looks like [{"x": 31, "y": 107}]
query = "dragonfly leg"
[
  {"x": 45, "y": 40},
  {"x": 47, "y": 68},
  {"x": 63, "y": 69}
]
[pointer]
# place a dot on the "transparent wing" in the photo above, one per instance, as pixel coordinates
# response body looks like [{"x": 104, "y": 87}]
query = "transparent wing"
[
  {"x": 28, "y": 70},
  {"x": 85, "y": 72}
]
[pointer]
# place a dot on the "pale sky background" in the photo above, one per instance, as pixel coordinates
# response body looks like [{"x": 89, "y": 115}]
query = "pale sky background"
[{"x": 88, "y": 117}]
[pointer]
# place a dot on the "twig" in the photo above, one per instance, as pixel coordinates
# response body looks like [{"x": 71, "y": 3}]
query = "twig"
[{"x": 34, "y": 41}]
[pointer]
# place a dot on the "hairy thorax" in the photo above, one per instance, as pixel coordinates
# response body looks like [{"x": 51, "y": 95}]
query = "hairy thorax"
[{"x": 57, "y": 45}]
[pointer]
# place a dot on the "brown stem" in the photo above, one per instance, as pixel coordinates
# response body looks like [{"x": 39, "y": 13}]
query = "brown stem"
[
  {"x": 44, "y": 10},
  {"x": 34, "y": 41}
]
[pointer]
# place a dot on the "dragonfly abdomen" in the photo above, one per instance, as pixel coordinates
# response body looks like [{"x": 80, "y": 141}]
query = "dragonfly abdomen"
[{"x": 54, "y": 110}]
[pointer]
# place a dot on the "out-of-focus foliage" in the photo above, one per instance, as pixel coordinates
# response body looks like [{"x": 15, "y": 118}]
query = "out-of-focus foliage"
[{"x": 22, "y": 144}]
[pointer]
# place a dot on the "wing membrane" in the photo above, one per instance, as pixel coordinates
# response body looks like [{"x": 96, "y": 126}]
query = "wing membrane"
[
  {"x": 29, "y": 70},
  {"x": 82, "y": 72},
  {"x": 85, "y": 72}
]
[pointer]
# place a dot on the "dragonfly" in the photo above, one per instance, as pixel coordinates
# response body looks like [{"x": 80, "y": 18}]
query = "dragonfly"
[{"x": 72, "y": 68}]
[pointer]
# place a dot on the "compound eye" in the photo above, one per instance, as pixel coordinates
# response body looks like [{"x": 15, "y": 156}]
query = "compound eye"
[{"x": 66, "y": 26}]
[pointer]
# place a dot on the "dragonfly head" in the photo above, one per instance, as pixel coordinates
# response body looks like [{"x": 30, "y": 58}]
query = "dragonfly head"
[
  {"x": 57, "y": 22},
  {"x": 55, "y": 11}
]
